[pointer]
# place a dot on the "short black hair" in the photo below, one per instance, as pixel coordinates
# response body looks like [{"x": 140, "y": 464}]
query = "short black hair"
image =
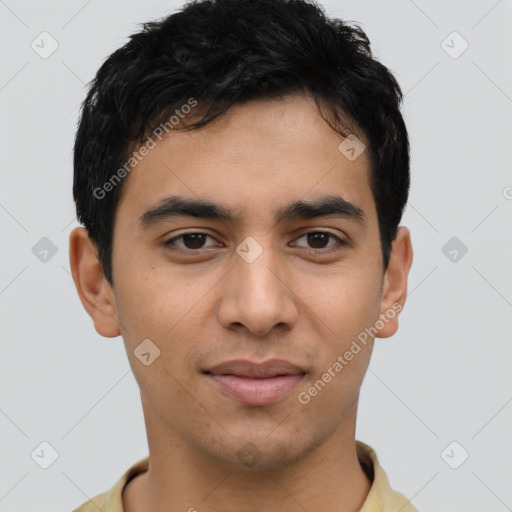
[{"x": 222, "y": 53}]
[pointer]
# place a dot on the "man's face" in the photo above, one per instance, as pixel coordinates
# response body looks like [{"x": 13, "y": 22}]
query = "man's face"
[{"x": 290, "y": 292}]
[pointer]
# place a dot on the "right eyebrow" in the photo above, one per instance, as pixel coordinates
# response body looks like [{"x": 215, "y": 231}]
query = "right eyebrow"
[{"x": 176, "y": 206}]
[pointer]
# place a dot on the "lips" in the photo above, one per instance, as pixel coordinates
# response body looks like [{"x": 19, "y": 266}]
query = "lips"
[{"x": 253, "y": 383}]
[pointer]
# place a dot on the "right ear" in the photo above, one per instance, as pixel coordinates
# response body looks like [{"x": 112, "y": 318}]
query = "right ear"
[{"x": 94, "y": 291}]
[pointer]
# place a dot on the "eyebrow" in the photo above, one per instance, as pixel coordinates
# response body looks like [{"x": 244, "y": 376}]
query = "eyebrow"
[{"x": 178, "y": 206}]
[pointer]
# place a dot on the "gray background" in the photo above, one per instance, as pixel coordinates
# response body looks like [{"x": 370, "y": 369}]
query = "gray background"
[{"x": 444, "y": 377}]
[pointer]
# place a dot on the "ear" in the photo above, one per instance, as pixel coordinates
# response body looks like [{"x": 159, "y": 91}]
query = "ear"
[
  {"x": 94, "y": 291},
  {"x": 394, "y": 290}
]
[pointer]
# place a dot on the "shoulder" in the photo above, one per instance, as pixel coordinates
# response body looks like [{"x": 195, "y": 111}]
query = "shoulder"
[
  {"x": 112, "y": 500},
  {"x": 92, "y": 505}
]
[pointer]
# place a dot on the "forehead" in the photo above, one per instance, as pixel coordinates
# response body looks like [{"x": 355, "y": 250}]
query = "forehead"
[{"x": 259, "y": 155}]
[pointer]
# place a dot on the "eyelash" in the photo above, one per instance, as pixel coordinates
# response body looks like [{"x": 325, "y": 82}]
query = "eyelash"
[{"x": 340, "y": 243}]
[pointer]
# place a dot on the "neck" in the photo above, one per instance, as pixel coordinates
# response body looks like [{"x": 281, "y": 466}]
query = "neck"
[{"x": 328, "y": 478}]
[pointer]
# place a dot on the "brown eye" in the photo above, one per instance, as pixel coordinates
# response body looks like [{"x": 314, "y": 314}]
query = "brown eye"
[
  {"x": 318, "y": 242},
  {"x": 194, "y": 240},
  {"x": 190, "y": 242}
]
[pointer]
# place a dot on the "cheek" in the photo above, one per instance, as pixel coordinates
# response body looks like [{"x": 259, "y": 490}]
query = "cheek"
[
  {"x": 169, "y": 309},
  {"x": 346, "y": 302},
  {"x": 350, "y": 307},
  {"x": 153, "y": 306},
  {"x": 151, "y": 300},
  {"x": 334, "y": 385}
]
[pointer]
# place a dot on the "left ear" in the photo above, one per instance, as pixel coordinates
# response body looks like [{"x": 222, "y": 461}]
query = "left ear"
[{"x": 394, "y": 291}]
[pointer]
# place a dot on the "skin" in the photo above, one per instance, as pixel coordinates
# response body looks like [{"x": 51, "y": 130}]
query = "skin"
[{"x": 204, "y": 309}]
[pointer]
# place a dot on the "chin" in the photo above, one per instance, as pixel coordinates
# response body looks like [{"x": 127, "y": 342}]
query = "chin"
[{"x": 261, "y": 453}]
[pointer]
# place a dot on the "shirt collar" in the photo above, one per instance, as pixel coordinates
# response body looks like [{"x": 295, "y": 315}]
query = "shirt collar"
[{"x": 381, "y": 498}]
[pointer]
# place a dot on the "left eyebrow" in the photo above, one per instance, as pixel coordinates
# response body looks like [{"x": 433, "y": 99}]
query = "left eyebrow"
[
  {"x": 178, "y": 206},
  {"x": 328, "y": 206}
]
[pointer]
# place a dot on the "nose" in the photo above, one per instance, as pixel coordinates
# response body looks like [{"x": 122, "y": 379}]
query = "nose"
[{"x": 258, "y": 295}]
